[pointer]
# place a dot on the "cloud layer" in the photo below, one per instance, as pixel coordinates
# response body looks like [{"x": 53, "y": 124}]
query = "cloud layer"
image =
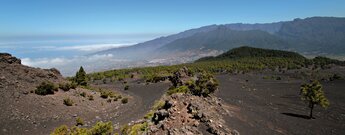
[{"x": 68, "y": 66}]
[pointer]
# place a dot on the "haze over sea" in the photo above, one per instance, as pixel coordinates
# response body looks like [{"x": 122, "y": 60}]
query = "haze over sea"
[{"x": 67, "y": 53}]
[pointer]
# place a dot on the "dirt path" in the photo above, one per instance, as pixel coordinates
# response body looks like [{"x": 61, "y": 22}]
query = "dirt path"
[
  {"x": 142, "y": 97},
  {"x": 274, "y": 107}
]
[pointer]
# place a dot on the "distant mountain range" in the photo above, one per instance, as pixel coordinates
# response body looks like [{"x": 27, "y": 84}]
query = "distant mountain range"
[{"x": 310, "y": 36}]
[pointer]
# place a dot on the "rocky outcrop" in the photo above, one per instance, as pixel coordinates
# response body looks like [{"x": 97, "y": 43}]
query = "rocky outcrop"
[
  {"x": 179, "y": 77},
  {"x": 8, "y": 58},
  {"x": 189, "y": 114}
]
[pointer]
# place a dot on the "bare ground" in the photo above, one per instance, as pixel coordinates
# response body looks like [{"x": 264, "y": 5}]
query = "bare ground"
[{"x": 269, "y": 106}]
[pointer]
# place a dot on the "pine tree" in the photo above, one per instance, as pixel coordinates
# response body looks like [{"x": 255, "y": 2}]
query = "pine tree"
[
  {"x": 313, "y": 95},
  {"x": 80, "y": 77}
]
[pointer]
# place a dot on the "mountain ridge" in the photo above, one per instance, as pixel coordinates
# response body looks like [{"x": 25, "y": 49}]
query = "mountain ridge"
[{"x": 308, "y": 36}]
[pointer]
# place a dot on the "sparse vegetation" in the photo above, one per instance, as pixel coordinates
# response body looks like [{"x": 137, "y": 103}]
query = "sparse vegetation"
[
  {"x": 109, "y": 100},
  {"x": 126, "y": 87},
  {"x": 67, "y": 86},
  {"x": 238, "y": 60},
  {"x": 79, "y": 121},
  {"x": 204, "y": 85},
  {"x": 107, "y": 93},
  {"x": 335, "y": 77},
  {"x": 68, "y": 102},
  {"x": 100, "y": 128},
  {"x": 90, "y": 97},
  {"x": 83, "y": 94},
  {"x": 124, "y": 100},
  {"x": 158, "y": 105},
  {"x": 135, "y": 129},
  {"x": 46, "y": 88},
  {"x": 62, "y": 130},
  {"x": 180, "y": 89},
  {"x": 313, "y": 95}
]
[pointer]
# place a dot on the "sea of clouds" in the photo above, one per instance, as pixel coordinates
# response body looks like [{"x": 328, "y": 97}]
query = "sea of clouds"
[{"x": 66, "y": 58}]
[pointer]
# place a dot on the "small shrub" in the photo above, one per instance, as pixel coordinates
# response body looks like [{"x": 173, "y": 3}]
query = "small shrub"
[
  {"x": 46, "y": 88},
  {"x": 62, "y": 130},
  {"x": 79, "y": 121},
  {"x": 109, "y": 100},
  {"x": 124, "y": 100},
  {"x": 181, "y": 89},
  {"x": 73, "y": 85},
  {"x": 83, "y": 94},
  {"x": 158, "y": 105},
  {"x": 126, "y": 87},
  {"x": 149, "y": 115},
  {"x": 117, "y": 97},
  {"x": 335, "y": 77},
  {"x": 91, "y": 97},
  {"x": 102, "y": 129},
  {"x": 104, "y": 94},
  {"x": 68, "y": 102},
  {"x": 65, "y": 86},
  {"x": 138, "y": 128}
]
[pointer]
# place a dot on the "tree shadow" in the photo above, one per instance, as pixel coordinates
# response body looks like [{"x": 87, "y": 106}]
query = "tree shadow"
[{"x": 297, "y": 115}]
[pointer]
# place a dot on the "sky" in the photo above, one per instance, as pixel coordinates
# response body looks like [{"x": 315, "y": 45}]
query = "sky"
[
  {"x": 63, "y": 33},
  {"x": 150, "y": 18}
]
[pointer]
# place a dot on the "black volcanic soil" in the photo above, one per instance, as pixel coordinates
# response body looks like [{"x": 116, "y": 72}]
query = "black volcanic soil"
[
  {"x": 25, "y": 113},
  {"x": 142, "y": 98},
  {"x": 270, "y": 106}
]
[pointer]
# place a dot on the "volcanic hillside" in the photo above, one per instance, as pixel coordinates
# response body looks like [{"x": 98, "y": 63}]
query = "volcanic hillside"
[{"x": 26, "y": 111}]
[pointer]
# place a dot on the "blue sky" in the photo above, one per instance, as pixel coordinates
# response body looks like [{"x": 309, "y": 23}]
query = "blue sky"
[{"x": 147, "y": 17}]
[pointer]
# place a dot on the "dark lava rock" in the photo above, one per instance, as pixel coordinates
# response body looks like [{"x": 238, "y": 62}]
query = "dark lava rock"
[
  {"x": 160, "y": 115},
  {"x": 8, "y": 58}
]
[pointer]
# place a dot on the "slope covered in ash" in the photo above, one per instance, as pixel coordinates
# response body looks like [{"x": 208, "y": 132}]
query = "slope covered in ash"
[{"x": 26, "y": 110}]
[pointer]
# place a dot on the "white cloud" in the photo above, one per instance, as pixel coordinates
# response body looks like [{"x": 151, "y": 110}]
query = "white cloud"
[
  {"x": 68, "y": 66},
  {"x": 94, "y": 47}
]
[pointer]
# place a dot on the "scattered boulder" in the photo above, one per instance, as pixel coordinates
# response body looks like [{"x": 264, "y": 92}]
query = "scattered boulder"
[
  {"x": 160, "y": 115},
  {"x": 186, "y": 113}
]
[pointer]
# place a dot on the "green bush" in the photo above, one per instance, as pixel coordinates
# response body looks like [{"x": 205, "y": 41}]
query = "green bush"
[
  {"x": 65, "y": 86},
  {"x": 46, "y": 88},
  {"x": 90, "y": 97},
  {"x": 204, "y": 85},
  {"x": 149, "y": 115},
  {"x": 124, "y": 100},
  {"x": 109, "y": 100},
  {"x": 181, "y": 89},
  {"x": 62, "y": 130},
  {"x": 105, "y": 94},
  {"x": 79, "y": 121},
  {"x": 102, "y": 129},
  {"x": 68, "y": 102},
  {"x": 83, "y": 94},
  {"x": 126, "y": 87},
  {"x": 117, "y": 97},
  {"x": 139, "y": 128}
]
